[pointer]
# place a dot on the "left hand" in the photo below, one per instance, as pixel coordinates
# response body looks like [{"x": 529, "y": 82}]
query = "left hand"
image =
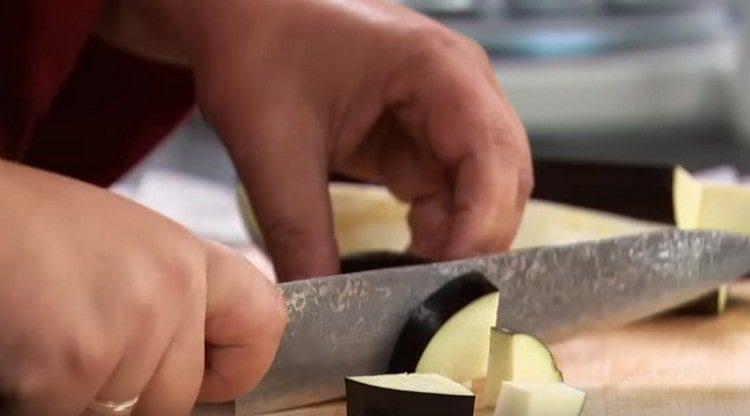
[{"x": 298, "y": 89}]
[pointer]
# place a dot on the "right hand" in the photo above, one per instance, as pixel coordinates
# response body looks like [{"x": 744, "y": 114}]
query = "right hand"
[
  {"x": 300, "y": 89},
  {"x": 103, "y": 299}
]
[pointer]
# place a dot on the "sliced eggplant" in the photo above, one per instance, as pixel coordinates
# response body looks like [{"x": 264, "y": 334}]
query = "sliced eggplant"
[
  {"x": 539, "y": 399},
  {"x": 438, "y": 334},
  {"x": 407, "y": 395},
  {"x": 459, "y": 349},
  {"x": 518, "y": 358}
]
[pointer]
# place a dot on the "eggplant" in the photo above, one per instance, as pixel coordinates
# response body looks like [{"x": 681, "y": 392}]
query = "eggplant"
[
  {"x": 374, "y": 260},
  {"x": 539, "y": 399},
  {"x": 407, "y": 395},
  {"x": 712, "y": 206},
  {"x": 517, "y": 357},
  {"x": 427, "y": 319}
]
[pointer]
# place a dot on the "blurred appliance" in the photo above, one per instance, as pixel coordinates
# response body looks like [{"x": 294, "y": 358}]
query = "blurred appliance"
[{"x": 600, "y": 66}]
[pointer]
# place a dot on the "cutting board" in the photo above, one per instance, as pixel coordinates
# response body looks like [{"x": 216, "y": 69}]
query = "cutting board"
[{"x": 671, "y": 365}]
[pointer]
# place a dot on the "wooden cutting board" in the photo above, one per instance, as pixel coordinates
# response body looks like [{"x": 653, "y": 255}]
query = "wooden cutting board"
[{"x": 672, "y": 365}]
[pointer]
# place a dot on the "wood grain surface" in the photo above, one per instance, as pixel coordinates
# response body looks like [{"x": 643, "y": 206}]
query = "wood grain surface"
[{"x": 667, "y": 366}]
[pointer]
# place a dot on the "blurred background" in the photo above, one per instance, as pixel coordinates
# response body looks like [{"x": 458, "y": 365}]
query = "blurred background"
[{"x": 637, "y": 81}]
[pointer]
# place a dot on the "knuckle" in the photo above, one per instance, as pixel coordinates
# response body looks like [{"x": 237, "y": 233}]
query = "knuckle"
[
  {"x": 477, "y": 50},
  {"x": 143, "y": 309},
  {"x": 184, "y": 277},
  {"x": 432, "y": 41},
  {"x": 279, "y": 313},
  {"x": 22, "y": 391},
  {"x": 273, "y": 310},
  {"x": 182, "y": 274},
  {"x": 275, "y": 316},
  {"x": 287, "y": 235},
  {"x": 163, "y": 286},
  {"x": 88, "y": 358},
  {"x": 509, "y": 138},
  {"x": 526, "y": 182}
]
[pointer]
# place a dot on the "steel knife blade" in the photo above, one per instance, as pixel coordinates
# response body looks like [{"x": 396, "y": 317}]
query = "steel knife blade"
[{"x": 348, "y": 324}]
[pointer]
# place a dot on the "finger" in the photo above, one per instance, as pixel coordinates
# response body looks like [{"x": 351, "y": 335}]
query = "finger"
[
  {"x": 148, "y": 344},
  {"x": 131, "y": 376},
  {"x": 470, "y": 130},
  {"x": 30, "y": 382},
  {"x": 429, "y": 221},
  {"x": 492, "y": 182},
  {"x": 409, "y": 169},
  {"x": 488, "y": 208},
  {"x": 245, "y": 319},
  {"x": 390, "y": 156},
  {"x": 173, "y": 387},
  {"x": 258, "y": 258},
  {"x": 468, "y": 221},
  {"x": 110, "y": 358},
  {"x": 285, "y": 171}
]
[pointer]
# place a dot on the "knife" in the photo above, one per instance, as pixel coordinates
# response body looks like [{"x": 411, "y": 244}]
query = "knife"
[{"x": 348, "y": 324}]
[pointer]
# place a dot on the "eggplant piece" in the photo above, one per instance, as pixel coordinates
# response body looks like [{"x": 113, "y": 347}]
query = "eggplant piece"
[
  {"x": 374, "y": 260},
  {"x": 365, "y": 217},
  {"x": 444, "y": 308},
  {"x": 539, "y": 399},
  {"x": 517, "y": 357},
  {"x": 711, "y": 206},
  {"x": 407, "y": 395},
  {"x": 459, "y": 350}
]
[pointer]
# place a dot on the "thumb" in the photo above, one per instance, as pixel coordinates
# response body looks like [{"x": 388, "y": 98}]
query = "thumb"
[
  {"x": 284, "y": 168},
  {"x": 245, "y": 318}
]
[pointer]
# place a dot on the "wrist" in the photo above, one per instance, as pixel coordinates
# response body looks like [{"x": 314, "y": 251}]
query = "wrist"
[
  {"x": 197, "y": 28},
  {"x": 134, "y": 28}
]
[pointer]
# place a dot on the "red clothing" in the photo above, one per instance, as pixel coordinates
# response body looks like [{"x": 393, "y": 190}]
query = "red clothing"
[{"x": 70, "y": 103}]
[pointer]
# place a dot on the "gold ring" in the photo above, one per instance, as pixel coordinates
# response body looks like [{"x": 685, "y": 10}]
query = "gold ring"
[{"x": 111, "y": 408}]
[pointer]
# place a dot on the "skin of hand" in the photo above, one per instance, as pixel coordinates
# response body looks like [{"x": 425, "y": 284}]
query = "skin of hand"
[
  {"x": 102, "y": 298},
  {"x": 298, "y": 89}
]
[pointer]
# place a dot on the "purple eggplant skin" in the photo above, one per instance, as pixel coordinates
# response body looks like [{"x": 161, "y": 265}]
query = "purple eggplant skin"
[
  {"x": 366, "y": 400},
  {"x": 425, "y": 320}
]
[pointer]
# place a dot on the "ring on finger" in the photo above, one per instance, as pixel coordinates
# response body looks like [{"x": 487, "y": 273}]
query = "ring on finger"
[{"x": 111, "y": 407}]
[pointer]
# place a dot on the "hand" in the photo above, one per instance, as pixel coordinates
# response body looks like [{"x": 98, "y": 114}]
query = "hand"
[
  {"x": 102, "y": 298},
  {"x": 299, "y": 89}
]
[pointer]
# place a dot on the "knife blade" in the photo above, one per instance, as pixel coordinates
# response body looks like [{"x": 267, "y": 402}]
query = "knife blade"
[{"x": 348, "y": 324}]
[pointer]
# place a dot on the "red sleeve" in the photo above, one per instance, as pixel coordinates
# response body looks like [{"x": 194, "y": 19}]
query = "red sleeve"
[{"x": 74, "y": 105}]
